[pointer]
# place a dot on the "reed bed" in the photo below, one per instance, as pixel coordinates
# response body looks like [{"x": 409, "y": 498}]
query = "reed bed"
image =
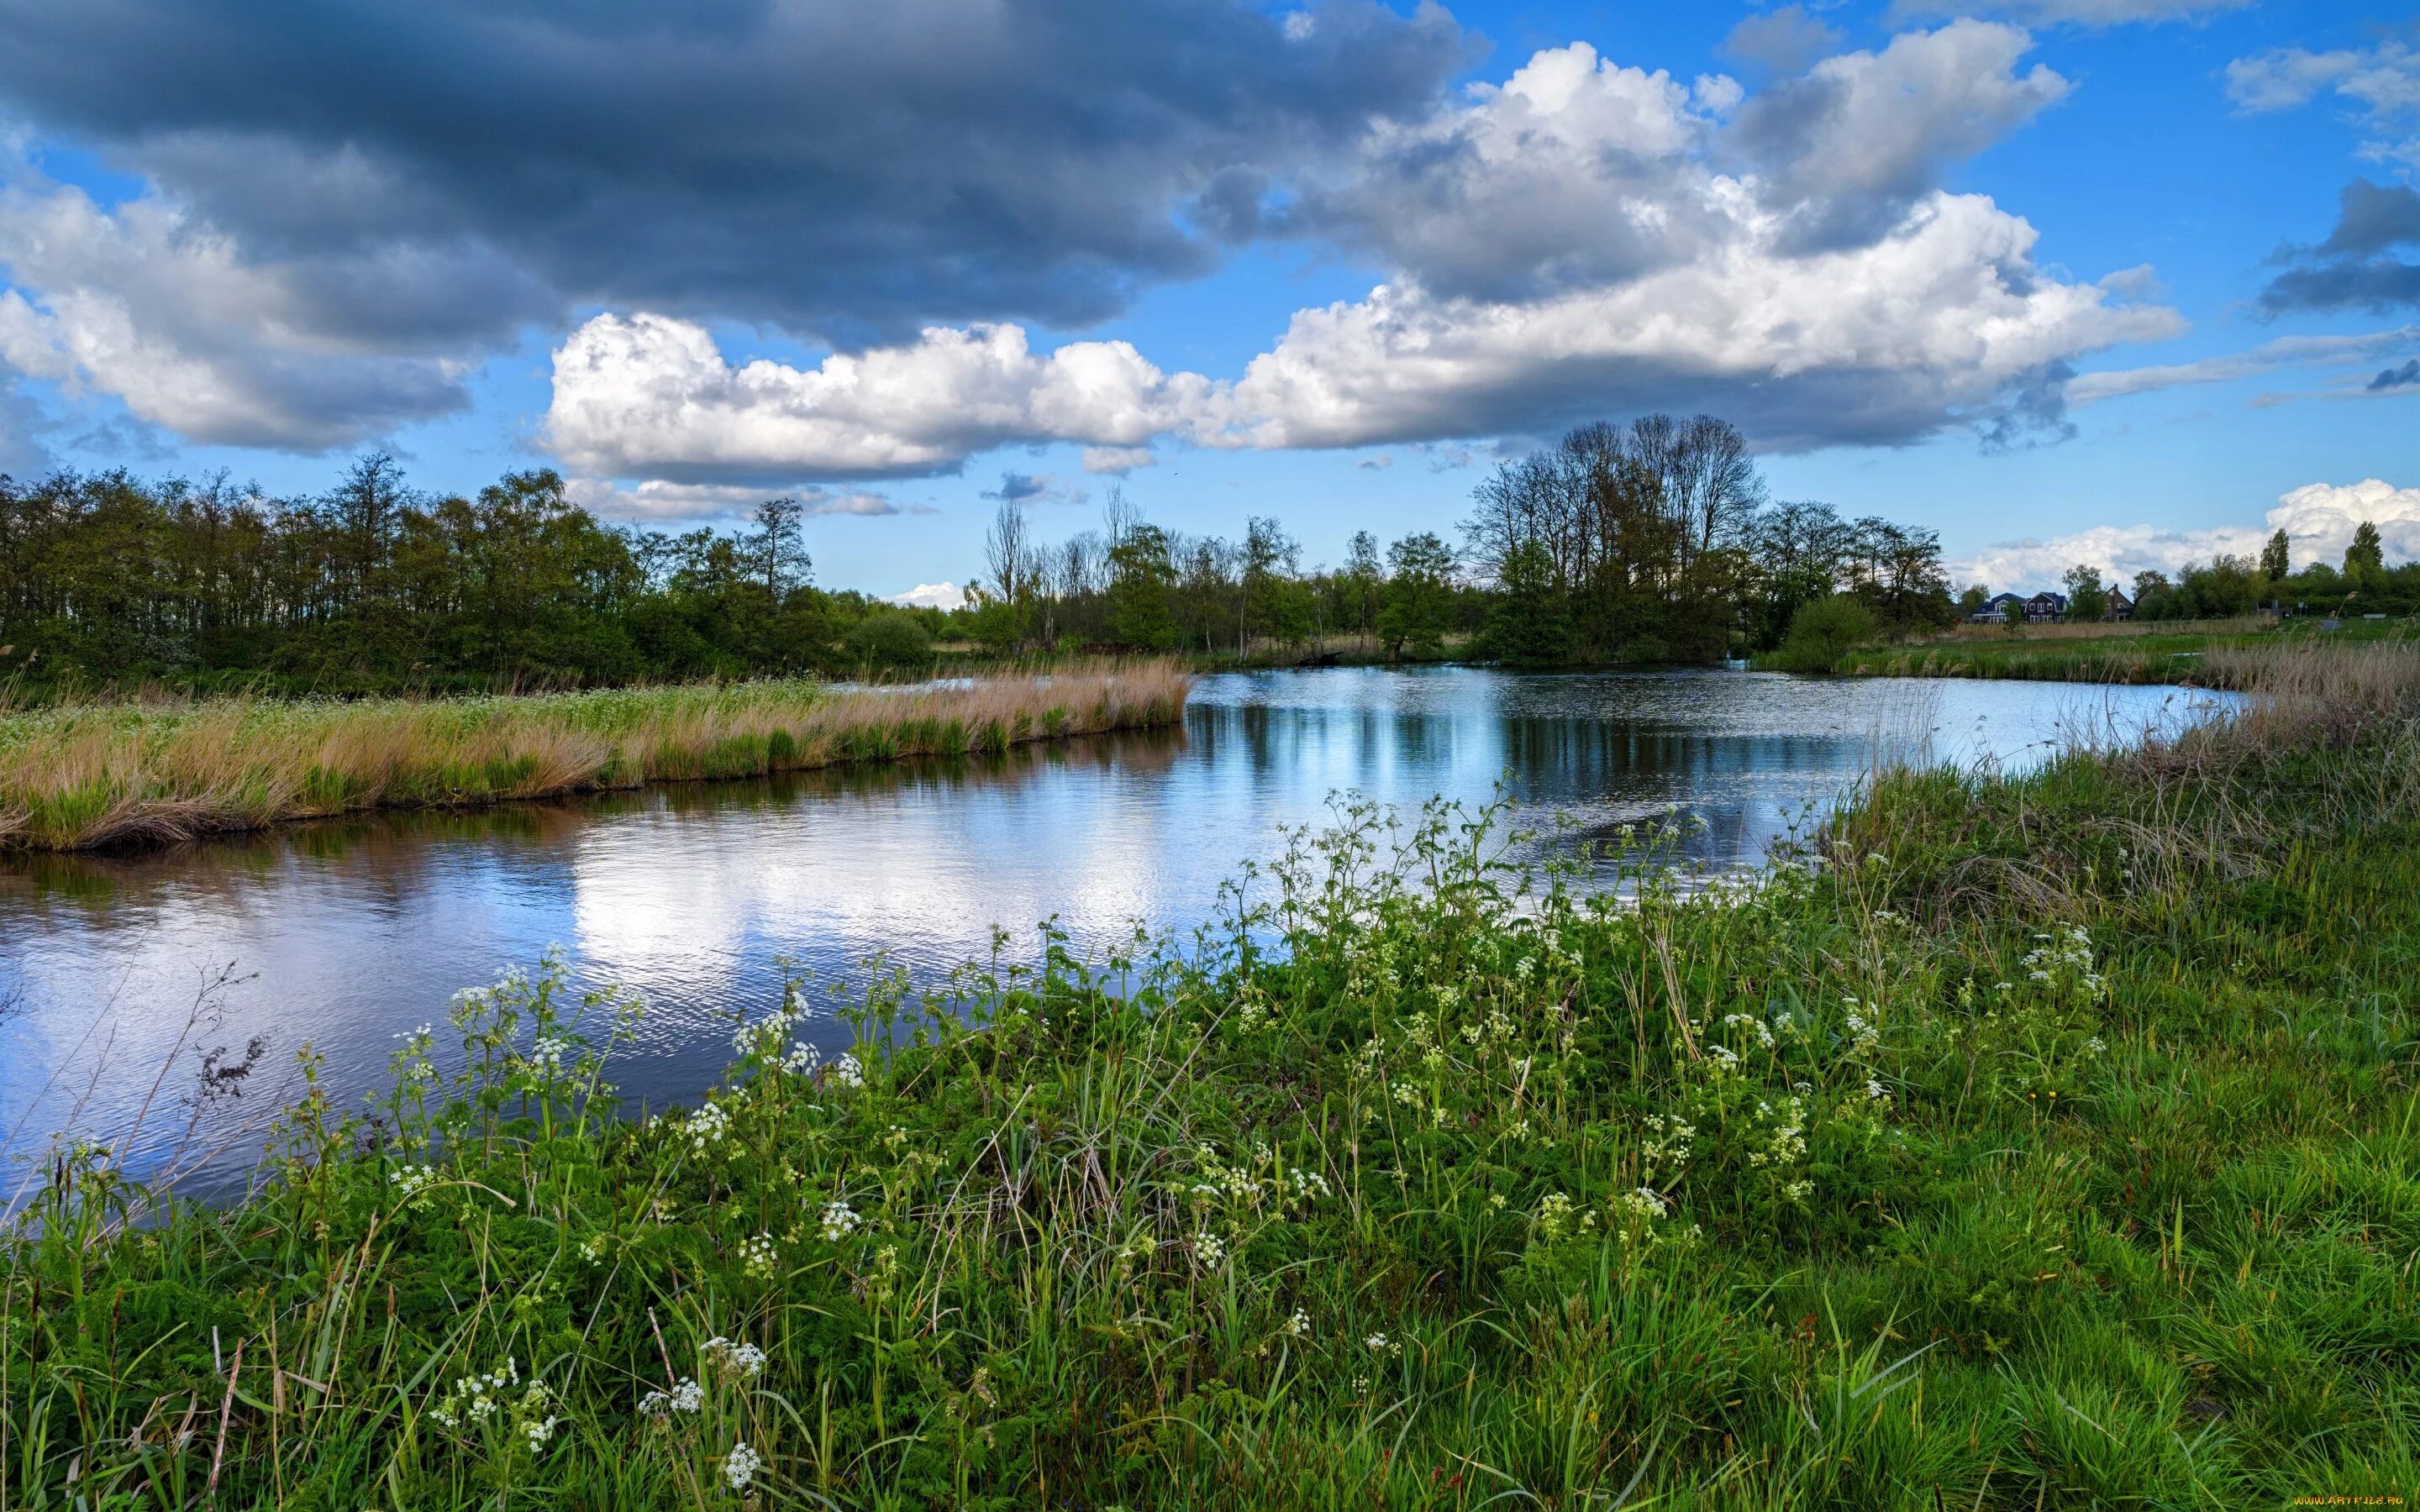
[
  {"x": 2012, "y": 1143},
  {"x": 149, "y": 772}
]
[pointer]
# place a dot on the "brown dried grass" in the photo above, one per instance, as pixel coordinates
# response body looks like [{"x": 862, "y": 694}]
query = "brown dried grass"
[{"x": 160, "y": 771}]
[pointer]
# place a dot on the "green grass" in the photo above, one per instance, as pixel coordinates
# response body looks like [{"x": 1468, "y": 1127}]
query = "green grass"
[
  {"x": 2020, "y": 1143},
  {"x": 2142, "y": 656}
]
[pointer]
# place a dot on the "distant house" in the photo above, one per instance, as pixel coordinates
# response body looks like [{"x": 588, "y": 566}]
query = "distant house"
[
  {"x": 2047, "y": 607},
  {"x": 1994, "y": 610},
  {"x": 2121, "y": 607}
]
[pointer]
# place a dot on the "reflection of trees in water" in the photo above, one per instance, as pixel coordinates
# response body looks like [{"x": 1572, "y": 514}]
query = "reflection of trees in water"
[{"x": 390, "y": 854}]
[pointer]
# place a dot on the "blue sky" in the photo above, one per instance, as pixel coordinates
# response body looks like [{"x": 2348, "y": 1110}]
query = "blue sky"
[{"x": 2121, "y": 281}]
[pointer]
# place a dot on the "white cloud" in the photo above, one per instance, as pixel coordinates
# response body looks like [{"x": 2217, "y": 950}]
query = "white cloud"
[
  {"x": 1571, "y": 246},
  {"x": 2383, "y": 80},
  {"x": 648, "y": 394},
  {"x": 1119, "y": 460},
  {"x": 1934, "y": 324},
  {"x": 657, "y": 500},
  {"x": 2090, "y": 388},
  {"x": 142, "y": 302},
  {"x": 2321, "y": 518},
  {"x": 932, "y": 596},
  {"x": 2318, "y": 518}
]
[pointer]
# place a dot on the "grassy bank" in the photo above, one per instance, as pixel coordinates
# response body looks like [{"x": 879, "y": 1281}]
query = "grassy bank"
[
  {"x": 2046, "y": 1142},
  {"x": 124, "y": 773},
  {"x": 2103, "y": 653}
]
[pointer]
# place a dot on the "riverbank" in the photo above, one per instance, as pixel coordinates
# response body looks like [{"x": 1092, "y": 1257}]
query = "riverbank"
[
  {"x": 148, "y": 772},
  {"x": 2030, "y": 1141},
  {"x": 2219, "y": 654}
]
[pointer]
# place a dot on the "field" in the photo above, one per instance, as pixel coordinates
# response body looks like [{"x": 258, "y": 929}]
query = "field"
[
  {"x": 2205, "y": 652},
  {"x": 2013, "y": 1143},
  {"x": 133, "y": 772}
]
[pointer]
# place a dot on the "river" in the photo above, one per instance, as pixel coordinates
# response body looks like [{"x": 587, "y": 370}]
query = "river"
[{"x": 343, "y": 934}]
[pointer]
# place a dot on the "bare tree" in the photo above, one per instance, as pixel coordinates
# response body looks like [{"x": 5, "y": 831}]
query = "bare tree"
[{"x": 1007, "y": 554}]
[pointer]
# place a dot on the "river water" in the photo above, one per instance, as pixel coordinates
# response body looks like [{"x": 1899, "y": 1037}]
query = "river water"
[{"x": 341, "y": 934}]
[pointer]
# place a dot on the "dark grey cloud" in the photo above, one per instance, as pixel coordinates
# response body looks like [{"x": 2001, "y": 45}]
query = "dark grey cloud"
[
  {"x": 2371, "y": 218},
  {"x": 2396, "y": 377},
  {"x": 1015, "y": 488},
  {"x": 2353, "y": 270},
  {"x": 846, "y": 170}
]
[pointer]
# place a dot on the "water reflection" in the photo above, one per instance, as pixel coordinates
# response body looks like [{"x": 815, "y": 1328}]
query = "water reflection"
[{"x": 344, "y": 934}]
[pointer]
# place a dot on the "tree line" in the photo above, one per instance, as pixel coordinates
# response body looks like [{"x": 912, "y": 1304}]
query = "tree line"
[
  {"x": 2228, "y": 586},
  {"x": 1651, "y": 542},
  {"x": 1647, "y": 543}
]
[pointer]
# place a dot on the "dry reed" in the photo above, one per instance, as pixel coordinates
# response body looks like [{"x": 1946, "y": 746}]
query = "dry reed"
[{"x": 120, "y": 773}]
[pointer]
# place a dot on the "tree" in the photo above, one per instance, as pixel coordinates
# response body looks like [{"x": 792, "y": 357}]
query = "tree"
[
  {"x": 888, "y": 638},
  {"x": 2365, "y": 559},
  {"x": 1823, "y": 631},
  {"x": 1527, "y": 626},
  {"x": 1009, "y": 558},
  {"x": 2277, "y": 557},
  {"x": 778, "y": 546},
  {"x": 1417, "y": 604},
  {"x": 1141, "y": 574},
  {"x": 1363, "y": 574},
  {"x": 2087, "y": 600}
]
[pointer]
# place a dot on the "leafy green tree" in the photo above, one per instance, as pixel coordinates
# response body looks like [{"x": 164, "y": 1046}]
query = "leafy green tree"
[
  {"x": 1825, "y": 630},
  {"x": 2278, "y": 556},
  {"x": 2087, "y": 600},
  {"x": 1417, "y": 608},
  {"x": 1141, "y": 575},
  {"x": 1528, "y": 624},
  {"x": 2365, "y": 559}
]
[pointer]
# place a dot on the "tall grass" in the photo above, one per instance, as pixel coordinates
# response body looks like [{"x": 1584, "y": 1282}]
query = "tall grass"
[
  {"x": 2014, "y": 1143},
  {"x": 113, "y": 774}
]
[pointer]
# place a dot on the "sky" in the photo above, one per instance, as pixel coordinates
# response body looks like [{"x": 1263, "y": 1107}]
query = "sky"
[{"x": 2122, "y": 281}]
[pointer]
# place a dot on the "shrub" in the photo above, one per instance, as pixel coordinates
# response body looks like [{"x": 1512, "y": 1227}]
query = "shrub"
[
  {"x": 888, "y": 638},
  {"x": 1822, "y": 631}
]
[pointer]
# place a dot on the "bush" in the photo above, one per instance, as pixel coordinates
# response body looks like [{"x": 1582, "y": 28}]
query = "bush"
[
  {"x": 1822, "y": 631},
  {"x": 888, "y": 638}
]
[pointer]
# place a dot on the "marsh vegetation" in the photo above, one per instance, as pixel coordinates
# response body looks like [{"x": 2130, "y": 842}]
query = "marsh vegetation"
[{"x": 2013, "y": 1141}]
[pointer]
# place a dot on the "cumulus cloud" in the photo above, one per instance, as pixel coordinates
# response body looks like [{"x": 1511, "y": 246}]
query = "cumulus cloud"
[
  {"x": 1846, "y": 149},
  {"x": 651, "y": 396},
  {"x": 656, "y": 501},
  {"x": 2408, "y": 376},
  {"x": 1570, "y": 244},
  {"x": 2090, "y": 388},
  {"x": 1943, "y": 322},
  {"x": 932, "y": 596},
  {"x": 2318, "y": 518},
  {"x": 853, "y": 171},
  {"x": 147, "y": 304}
]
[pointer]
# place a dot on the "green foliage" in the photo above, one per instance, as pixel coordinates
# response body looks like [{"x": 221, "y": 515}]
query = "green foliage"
[
  {"x": 2087, "y": 600},
  {"x": 888, "y": 638},
  {"x": 2009, "y": 1146},
  {"x": 1528, "y": 624},
  {"x": 1823, "y": 631},
  {"x": 1416, "y": 606}
]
